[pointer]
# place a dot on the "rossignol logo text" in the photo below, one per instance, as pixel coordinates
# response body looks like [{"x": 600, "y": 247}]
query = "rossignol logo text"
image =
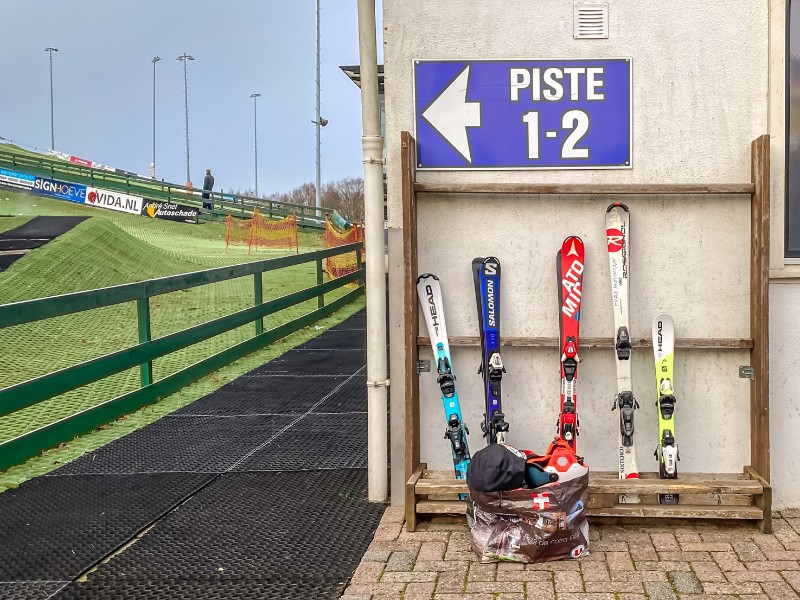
[
  {"x": 572, "y": 288},
  {"x": 624, "y": 254}
]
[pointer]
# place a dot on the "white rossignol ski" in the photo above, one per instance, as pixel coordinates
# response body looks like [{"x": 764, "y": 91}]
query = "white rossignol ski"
[
  {"x": 618, "y": 239},
  {"x": 430, "y": 296},
  {"x": 667, "y": 450}
]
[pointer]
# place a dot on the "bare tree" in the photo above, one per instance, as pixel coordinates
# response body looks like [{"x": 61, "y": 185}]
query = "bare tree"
[
  {"x": 347, "y": 197},
  {"x": 305, "y": 194}
]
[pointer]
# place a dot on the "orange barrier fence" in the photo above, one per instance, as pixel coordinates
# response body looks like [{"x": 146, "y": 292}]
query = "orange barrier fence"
[
  {"x": 237, "y": 232},
  {"x": 342, "y": 264},
  {"x": 274, "y": 234},
  {"x": 260, "y": 231}
]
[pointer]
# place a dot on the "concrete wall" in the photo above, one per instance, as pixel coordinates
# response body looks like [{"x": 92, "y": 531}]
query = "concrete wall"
[
  {"x": 700, "y": 83},
  {"x": 784, "y": 292}
]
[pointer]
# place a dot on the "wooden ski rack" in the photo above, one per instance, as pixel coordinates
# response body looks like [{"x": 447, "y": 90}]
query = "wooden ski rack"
[{"x": 745, "y": 495}]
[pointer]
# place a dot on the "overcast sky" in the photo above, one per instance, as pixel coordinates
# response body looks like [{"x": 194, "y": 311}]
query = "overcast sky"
[{"x": 103, "y": 85}]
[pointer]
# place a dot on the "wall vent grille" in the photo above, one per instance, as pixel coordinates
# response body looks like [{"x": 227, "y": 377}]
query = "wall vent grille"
[{"x": 591, "y": 20}]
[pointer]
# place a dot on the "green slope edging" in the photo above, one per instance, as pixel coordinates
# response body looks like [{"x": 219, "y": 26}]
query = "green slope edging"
[{"x": 52, "y": 459}]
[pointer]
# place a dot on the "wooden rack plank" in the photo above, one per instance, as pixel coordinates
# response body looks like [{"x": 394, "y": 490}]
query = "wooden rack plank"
[
  {"x": 410, "y": 312},
  {"x": 599, "y": 342},
  {"x": 684, "y": 511},
  {"x": 759, "y": 306},
  {"x": 585, "y": 188},
  {"x": 441, "y": 507},
  {"x": 675, "y": 486},
  {"x": 609, "y": 483}
]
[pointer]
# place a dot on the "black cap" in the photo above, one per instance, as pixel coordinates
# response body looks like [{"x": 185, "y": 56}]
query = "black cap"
[{"x": 496, "y": 468}]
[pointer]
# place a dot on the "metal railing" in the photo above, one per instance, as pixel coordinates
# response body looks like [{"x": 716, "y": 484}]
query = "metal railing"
[
  {"x": 44, "y": 387},
  {"x": 308, "y": 217}
]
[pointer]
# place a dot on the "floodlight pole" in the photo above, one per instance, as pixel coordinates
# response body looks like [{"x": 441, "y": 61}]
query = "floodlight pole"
[
  {"x": 255, "y": 98},
  {"x": 52, "y": 118},
  {"x": 318, "y": 125},
  {"x": 153, "y": 164},
  {"x": 184, "y": 58}
]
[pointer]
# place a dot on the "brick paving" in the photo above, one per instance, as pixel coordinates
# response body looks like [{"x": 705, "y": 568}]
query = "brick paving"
[{"x": 679, "y": 560}]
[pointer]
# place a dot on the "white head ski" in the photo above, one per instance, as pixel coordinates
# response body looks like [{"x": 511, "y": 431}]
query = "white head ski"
[{"x": 430, "y": 297}]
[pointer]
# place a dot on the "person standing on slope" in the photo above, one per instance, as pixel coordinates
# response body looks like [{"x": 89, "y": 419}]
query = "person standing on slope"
[{"x": 208, "y": 185}]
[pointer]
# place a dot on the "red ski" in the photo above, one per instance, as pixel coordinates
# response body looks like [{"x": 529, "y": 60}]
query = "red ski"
[{"x": 570, "y": 261}]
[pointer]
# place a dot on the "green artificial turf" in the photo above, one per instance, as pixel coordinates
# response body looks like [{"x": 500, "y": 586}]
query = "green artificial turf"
[{"x": 113, "y": 248}]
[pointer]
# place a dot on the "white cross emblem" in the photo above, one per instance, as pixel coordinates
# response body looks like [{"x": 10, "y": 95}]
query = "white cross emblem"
[{"x": 541, "y": 501}]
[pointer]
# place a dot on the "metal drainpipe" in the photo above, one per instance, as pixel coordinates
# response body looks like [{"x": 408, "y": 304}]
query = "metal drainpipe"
[{"x": 372, "y": 143}]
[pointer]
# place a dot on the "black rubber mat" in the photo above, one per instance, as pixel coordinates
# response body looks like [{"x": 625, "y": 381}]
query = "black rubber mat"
[
  {"x": 294, "y": 526},
  {"x": 318, "y": 362},
  {"x": 24, "y": 244},
  {"x": 33, "y": 234},
  {"x": 357, "y": 321},
  {"x": 249, "y": 535},
  {"x": 42, "y": 227},
  {"x": 334, "y": 441},
  {"x": 54, "y": 528},
  {"x": 30, "y": 590},
  {"x": 351, "y": 397},
  {"x": 349, "y": 340},
  {"x": 185, "y": 444},
  {"x": 268, "y": 394},
  {"x": 6, "y": 260}
]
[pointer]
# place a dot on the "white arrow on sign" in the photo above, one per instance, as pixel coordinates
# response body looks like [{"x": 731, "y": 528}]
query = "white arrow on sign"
[{"x": 450, "y": 114}]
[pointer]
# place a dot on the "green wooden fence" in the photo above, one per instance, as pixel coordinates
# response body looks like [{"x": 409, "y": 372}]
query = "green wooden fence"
[
  {"x": 28, "y": 393},
  {"x": 308, "y": 217}
]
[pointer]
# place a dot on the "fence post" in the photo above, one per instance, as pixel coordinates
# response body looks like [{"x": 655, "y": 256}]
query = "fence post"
[
  {"x": 321, "y": 297},
  {"x": 259, "y": 299},
  {"x": 143, "y": 313}
]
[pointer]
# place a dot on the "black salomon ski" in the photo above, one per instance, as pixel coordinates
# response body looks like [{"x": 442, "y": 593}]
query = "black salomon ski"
[{"x": 486, "y": 273}]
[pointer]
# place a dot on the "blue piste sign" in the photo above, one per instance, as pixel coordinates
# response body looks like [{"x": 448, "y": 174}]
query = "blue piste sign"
[{"x": 523, "y": 114}]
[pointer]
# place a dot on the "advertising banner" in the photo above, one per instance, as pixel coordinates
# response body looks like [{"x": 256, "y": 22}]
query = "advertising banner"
[
  {"x": 170, "y": 212},
  {"x": 80, "y": 161},
  {"x": 114, "y": 200},
  {"x": 523, "y": 114},
  {"x": 16, "y": 180},
  {"x": 74, "y": 192}
]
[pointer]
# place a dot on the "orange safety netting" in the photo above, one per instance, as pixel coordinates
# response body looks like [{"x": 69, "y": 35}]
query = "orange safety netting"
[
  {"x": 342, "y": 264},
  {"x": 272, "y": 234},
  {"x": 237, "y": 232},
  {"x": 260, "y": 231}
]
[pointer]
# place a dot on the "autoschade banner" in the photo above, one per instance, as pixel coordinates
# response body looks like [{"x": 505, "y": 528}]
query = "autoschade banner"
[{"x": 170, "y": 212}]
